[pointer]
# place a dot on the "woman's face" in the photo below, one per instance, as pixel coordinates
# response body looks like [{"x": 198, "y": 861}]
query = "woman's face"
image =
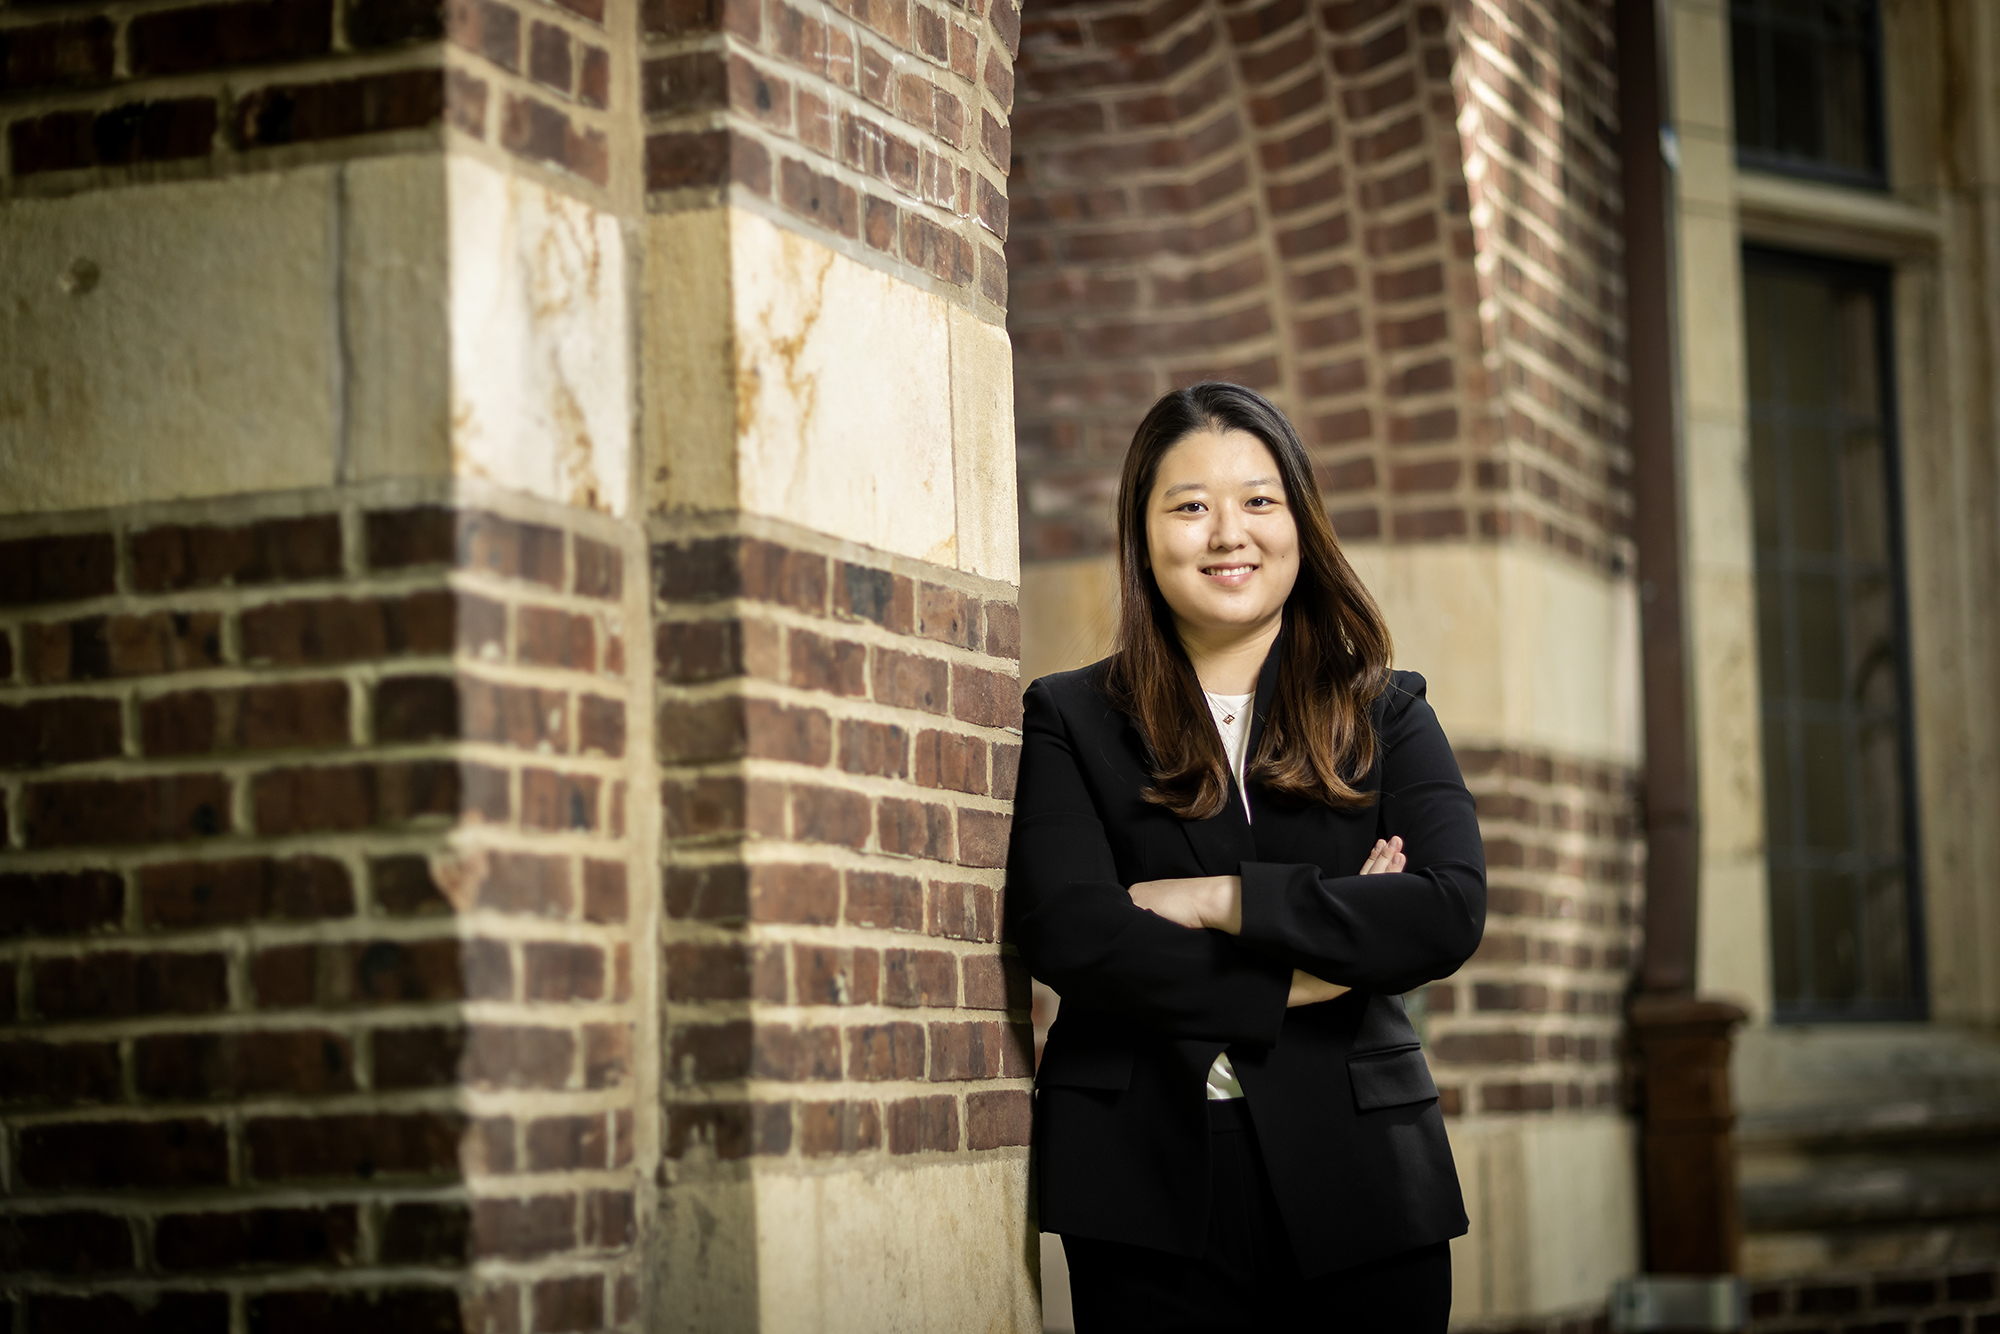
[{"x": 1220, "y": 535}]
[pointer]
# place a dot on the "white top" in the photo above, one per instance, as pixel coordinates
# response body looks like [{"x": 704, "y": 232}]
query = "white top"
[{"x": 1232, "y": 722}]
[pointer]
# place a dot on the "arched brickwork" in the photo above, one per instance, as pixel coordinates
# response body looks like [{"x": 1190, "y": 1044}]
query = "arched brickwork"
[{"x": 1399, "y": 221}]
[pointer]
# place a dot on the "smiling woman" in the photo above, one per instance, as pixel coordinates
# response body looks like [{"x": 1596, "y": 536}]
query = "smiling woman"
[{"x": 1237, "y": 841}]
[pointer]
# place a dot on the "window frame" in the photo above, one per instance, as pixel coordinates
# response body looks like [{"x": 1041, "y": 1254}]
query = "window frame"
[
  {"x": 1880, "y": 280},
  {"x": 1766, "y": 160}
]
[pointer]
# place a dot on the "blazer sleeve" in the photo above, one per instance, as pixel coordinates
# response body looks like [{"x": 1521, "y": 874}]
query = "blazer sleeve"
[
  {"x": 1386, "y": 933},
  {"x": 1079, "y": 931}
]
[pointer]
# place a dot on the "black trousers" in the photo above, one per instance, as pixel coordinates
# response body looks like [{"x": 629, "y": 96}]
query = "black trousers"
[{"x": 1248, "y": 1279}]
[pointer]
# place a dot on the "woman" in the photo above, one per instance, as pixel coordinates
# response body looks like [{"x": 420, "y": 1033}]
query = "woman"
[{"x": 1237, "y": 842}]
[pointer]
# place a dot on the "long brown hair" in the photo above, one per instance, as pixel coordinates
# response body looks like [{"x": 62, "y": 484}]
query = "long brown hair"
[{"x": 1318, "y": 741}]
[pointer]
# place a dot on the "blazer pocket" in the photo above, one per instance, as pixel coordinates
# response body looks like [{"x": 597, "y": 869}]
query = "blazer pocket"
[
  {"x": 1083, "y": 1065},
  {"x": 1390, "y": 1079}
]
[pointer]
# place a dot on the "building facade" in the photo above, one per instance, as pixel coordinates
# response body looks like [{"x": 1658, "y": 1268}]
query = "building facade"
[
  {"x": 1408, "y": 224},
  {"x": 522, "y": 525}
]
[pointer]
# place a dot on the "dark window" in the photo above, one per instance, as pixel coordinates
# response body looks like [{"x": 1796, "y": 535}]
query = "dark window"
[
  {"x": 1809, "y": 87},
  {"x": 1840, "y": 819}
]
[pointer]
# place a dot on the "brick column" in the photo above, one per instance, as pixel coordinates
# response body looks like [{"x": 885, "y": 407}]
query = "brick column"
[{"x": 505, "y": 727}]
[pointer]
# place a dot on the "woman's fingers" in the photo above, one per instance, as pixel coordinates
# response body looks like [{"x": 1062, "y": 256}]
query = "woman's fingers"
[{"x": 1386, "y": 856}]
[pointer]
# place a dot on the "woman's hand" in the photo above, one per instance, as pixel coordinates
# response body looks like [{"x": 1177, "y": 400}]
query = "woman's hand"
[
  {"x": 1385, "y": 857},
  {"x": 1310, "y": 990},
  {"x": 1216, "y": 901},
  {"x": 1195, "y": 901}
]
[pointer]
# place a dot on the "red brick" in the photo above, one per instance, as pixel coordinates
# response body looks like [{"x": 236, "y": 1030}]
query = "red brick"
[
  {"x": 68, "y": 730},
  {"x": 604, "y": 892},
  {"x": 600, "y": 726},
  {"x": 982, "y": 837},
  {"x": 558, "y": 801},
  {"x": 915, "y": 828},
  {"x": 920, "y": 1124},
  {"x": 59, "y": 1072},
  {"x": 277, "y": 550},
  {"x": 974, "y": 1051},
  {"x": 780, "y": 1051},
  {"x": 886, "y": 1051},
  {"x": 405, "y": 887},
  {"x": 117, "y": 983},
  {"x": 564, "y": 1304},
  {"x": 607, "y": 1055},
  {"x": 1006, "y": 768},
  {"x": 830, "y": 815},
  {"x": 707, "y": 971},
  {"x": 550, "y": 637},
  {"x": 418, "y": 1057},
  {"x": 99, "y": 647},
  {"x": 360, "y": 796},
  {"x": 549, "y": 60},
  {"x": 832, "y": 665},
  {"x": 156, "y": 131},
  {"x": 879, "y": 749},
  {"x": 372, "y": 104},
  {"x": 218, "y": 1240},
  {"x": 989, "y": 699},
  {"x": 174, "y": 1153},
  {"x": 951, "y": 760},
  {"x": 292, "y": 715},
  {"x": 251, "y": 889},
  {"x": 568, "y": 1143},
  {"x": 67, "y": 1242},
  {"x": 49, "y": 55},
  {"x": 906, "y": 681},
  {"x": 377, "y": 23},
  {"x": 919, "y": 977},
  {"x": 380, "y": 972},
  {"x": 838, "y": 1127},
  {"x": 522, "y": 882},
  {"x": 541, "y": 133},
  {"x": 555, "y": 971},
  {"x": 963, "y": 911},
  {"x": 999, "y": 1119},
  {"x": 521, "y": 717},
  {"x": 995, "y": 982},
  {"x": 820, "y": 199},
  {"x": 894, "y": 902},
  {"x": 337, "y": 630},
  {"x": 502, "y": 1056},
  {"x": 828, "y": 975},
  {"x": 803, "y": 893},
  {"x": 60, "y": 903},
  {"x": 180, "y": 41},
  {"x": 487, "y": 29},
  {"x": 423, "y": 1232},
  {"x": 365, "y": 1147}
]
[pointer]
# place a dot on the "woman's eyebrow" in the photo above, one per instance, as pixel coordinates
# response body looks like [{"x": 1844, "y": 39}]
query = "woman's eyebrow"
[{"x": 1179, "y": 487}]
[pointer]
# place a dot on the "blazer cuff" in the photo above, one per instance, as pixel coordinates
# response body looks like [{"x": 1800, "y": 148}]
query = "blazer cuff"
[{"x": 1265, "y": 885}]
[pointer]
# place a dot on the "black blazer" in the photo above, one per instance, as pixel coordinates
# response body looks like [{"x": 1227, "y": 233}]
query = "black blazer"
[{"x": 1345, "y": 1110}]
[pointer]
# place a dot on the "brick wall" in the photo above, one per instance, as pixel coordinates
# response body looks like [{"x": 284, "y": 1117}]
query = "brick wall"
[
  {"x": 1532, "y": 1023},
  {"x": 883, "y": 125},
  {"x": 1398, "y": 220},
  {"x": 317, "y": 920},
  {"x": 102, "y": 94},
  {"x": 839, "y": 733}
]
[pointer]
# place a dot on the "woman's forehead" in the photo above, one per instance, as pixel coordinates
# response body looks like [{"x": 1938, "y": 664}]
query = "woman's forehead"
[{"x": 1217, "y": 458}]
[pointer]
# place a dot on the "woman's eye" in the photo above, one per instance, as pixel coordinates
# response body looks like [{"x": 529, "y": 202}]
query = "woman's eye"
[
  {"x": 1261, "y": 502},
  {"x": 1192, "y": 507}
]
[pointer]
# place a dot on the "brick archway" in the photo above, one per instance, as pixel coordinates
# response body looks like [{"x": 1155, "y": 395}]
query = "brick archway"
[{"x": 1402, "y": 224}]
